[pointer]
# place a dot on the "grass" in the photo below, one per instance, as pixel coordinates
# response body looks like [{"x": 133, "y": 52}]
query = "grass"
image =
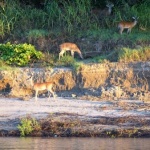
[
  {"x": 35, "y": 34},
  {"x": 4, "y": 66},
  {"x": 69, "y": 16},
  {"x": 66, "y": 61},
  {"x": 70, "y": 21},
  {"x": 131, "y": 55}
]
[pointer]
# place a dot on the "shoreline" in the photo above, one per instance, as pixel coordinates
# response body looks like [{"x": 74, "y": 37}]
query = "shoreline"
[{"x": 70, "y": 117}]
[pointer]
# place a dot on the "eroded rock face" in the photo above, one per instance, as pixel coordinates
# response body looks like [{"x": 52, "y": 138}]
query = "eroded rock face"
[{"x": 113, "y": 80}]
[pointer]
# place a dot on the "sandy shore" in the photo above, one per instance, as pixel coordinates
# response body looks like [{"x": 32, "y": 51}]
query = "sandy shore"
[{"x": 13, "y": 109}]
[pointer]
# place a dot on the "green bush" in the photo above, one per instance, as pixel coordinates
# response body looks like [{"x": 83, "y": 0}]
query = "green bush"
[
  {"x": 27, "y": 126},
  {"x": 19, "y": 55}
]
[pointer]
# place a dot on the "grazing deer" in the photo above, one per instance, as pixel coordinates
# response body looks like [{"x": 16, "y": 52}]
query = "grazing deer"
[
  {"x": 105, "y": 12},
  {"x": 41, "y": 87},
  {"x": 127, "y": 25},
  {"x": 69, "y": 47}
]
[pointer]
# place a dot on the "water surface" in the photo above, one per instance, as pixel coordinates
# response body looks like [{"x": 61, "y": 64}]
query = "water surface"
[{"x": 74, "y": 144}]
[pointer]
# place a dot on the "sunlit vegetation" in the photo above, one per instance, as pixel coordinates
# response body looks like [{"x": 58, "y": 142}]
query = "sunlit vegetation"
[
  {"x": 131, "y": 55},
  {"x": 50, "y": 23},
  {"x": 27, "y": 126},
  {"x": 18, "y": 54}
]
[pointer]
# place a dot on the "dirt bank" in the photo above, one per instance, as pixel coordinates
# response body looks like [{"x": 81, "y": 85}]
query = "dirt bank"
[
  {"x": 111, "y": 99},
  {"x": 103, "y": 81}
]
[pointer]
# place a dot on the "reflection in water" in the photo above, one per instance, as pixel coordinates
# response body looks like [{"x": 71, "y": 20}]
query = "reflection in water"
[{"x": 74, "y": 144}]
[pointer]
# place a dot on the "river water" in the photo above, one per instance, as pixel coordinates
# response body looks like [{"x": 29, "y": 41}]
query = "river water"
[{"x": 74, "y": 144}]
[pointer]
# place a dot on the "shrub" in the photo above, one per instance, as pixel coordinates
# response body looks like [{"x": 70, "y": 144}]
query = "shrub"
[
  {"x": 130, "y": 55},
  {"x": 19, "y": 55},
  {"x": 27, "y": 126}
]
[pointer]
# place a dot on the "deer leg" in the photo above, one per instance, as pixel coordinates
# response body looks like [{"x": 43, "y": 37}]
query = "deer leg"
[
  {"x": 80, "y": 55},
  {"x": 72, "y": 54},
  {"x": 49, "y": 94},
  {"x": 61, "y": 54},
  {"x": 36, "y": 94},
  {"x": 52, "y": 93},
  {"x": 129, "y": 30},
  {"x": 120, "y": 31}
]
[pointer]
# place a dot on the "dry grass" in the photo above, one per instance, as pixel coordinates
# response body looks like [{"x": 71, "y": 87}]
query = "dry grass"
[{"x": 132, "y": 55}]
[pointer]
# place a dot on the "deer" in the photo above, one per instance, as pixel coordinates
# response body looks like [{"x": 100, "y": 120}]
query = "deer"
[
  {"x": 69, "y": 47},
  {"x": 41, "y": 87},
  {"x": 127, "y": 25},
  {"x": 108, "y": 11},
  {"x": 105, "y": 12}
]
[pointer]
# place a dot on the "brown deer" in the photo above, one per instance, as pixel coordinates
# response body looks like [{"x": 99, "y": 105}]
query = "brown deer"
[
  {"x": 69, "y": 47},
  {"x": 127, "y": 25},
  {"x": 41, "y": 87},
  {"x": 105, "y": 12}
]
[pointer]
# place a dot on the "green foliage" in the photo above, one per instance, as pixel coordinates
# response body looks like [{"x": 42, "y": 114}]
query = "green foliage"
[
  {"x": 19, "y": 55},
  {"x": 69, "y": 16},
  {"x": 100, "y": 59},
  {"x": 76, "y": 14},
  {"x": 130, "y": 55},
  {"x": 54, "y": 13},
  {"x": 35, "y": 34},
  {"x": 143, "y": 14},
  {"x": 66, "y": 61},
  {"x": 10, "y": 14},
  {"x": 70, "y": 20},
  {"x": 27, "y": 126}
]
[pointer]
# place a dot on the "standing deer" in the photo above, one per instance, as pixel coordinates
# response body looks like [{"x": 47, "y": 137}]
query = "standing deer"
[
  {"x": 109, "y": 6},
  {"x": 127, "y": 25},
  {"x": 41, "y": 87},
  {"x": 105, "y": 12},
  {"x": 69, "y": 47}
]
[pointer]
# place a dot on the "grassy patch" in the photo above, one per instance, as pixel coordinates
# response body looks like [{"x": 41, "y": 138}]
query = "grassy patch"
[
  {"x": 66, "y": 61},
  {"x": 34, "y": 34},
  {"x": 131, "y": 55},
  {"x": 4, "y": 66}
]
